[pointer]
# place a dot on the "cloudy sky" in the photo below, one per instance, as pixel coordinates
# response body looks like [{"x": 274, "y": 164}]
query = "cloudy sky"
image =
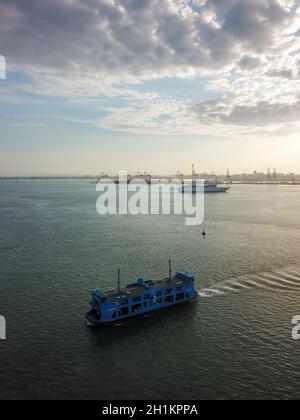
[{"x": 103, "y": 85}]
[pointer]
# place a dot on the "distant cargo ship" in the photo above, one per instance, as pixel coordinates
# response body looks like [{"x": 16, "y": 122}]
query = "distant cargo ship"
[
  {"x": 209, "y": 187},
  {"x": 194, "y": 186},
  {"x": 140, "y": 297}
]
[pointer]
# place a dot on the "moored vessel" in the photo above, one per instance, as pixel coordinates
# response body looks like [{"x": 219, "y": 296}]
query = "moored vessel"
[
  {"x": 198, "y": 186},
  {"x": 208, "y": 187}
]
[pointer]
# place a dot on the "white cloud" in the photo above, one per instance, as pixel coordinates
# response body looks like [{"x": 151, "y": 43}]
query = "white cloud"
[
  {"x": 260, "y": 114},
  {"x": 142, "y": 38},
  {"x": 89, "y": 49}
]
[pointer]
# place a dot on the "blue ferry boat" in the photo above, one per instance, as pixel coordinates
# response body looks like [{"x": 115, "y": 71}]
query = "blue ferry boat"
[{"x": 140, "y": 297}]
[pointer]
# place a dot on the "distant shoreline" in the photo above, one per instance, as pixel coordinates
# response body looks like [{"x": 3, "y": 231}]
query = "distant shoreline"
[
  {"x": 32, "y": 178},
  {"x": 92, "y": 178}
]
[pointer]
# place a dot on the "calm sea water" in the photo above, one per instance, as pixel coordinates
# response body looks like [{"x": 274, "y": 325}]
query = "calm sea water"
[{"x": 54, "y": 248}]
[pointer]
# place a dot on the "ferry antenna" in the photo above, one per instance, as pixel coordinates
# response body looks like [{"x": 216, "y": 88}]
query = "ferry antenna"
[
  {"x": 119, "y": 281},
  {"x": 170, "y": 270}
]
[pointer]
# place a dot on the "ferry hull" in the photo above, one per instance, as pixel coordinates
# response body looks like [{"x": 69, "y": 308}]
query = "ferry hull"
[{"x": 91, "y": 322}]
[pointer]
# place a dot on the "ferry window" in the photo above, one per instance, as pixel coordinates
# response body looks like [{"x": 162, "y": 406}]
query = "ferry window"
[
  {"x": 169, "y": 299},
  {"x": 137, "y": 299},
  {"x": 113, "y": 315},
  {"x": 178, "y": 288},
  {"x": 168, "y": 291},
  {"x": 123, "y": 311},
  {"x": 124, "y": 302},
  {"x": 145, "y": 304},
  {"x": 136, "y": 308},
  {"x": 180, "y": 296},
  {"x": 148, "y": 297},
  {"x": 158, "y": 293}
]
